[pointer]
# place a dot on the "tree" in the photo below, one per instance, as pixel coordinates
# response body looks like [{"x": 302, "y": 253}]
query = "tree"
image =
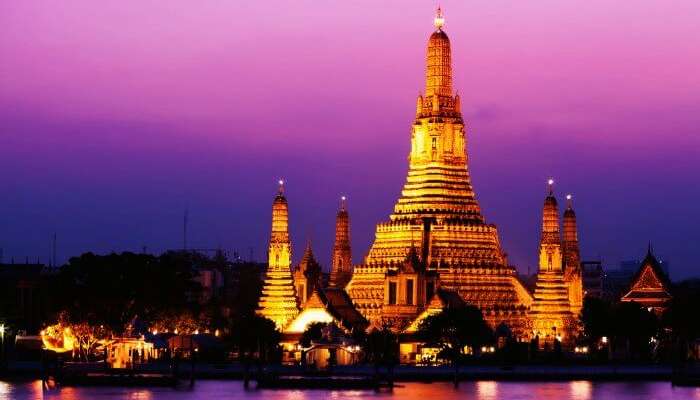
[
  {"x": 112, "y": 289},
  {"x": 681, "y": 318},
  {"x": 634, "y": 326},
  {"x": 257, "y": 340},
  {"x": 596, "y": 316},
  {"x": 313, "y": 333},
  {"x": 256, "y": 337},
  {"x": 452, "y": 330}
]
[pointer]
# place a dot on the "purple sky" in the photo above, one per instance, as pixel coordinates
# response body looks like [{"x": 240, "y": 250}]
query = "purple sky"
[{"x": 116, "y": 115}]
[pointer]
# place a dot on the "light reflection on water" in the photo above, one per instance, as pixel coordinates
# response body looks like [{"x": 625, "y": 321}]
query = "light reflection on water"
[{"x": 482, "y": 390}]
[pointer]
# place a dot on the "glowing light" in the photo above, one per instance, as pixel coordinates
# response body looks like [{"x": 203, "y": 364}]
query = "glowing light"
[
  {"x": 439, "y": 20},
  {"x": 568, "y": 197},
  {"x": 343, "y": 198},
  {"x": 550, "y": 181},
  {"x": 281, "y": 182},
  {"x": 604, "y": 339},
  {"x": 307, "y": 317}
]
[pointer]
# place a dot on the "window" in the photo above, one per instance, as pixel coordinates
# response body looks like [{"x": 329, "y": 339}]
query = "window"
[
  {"x": 434, "y": 143},
  {"x": 392, "y": 292},
  {"x": 409, "y": 291}
]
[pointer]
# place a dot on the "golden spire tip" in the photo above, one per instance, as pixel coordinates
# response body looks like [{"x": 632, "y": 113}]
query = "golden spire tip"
[{"x": 439, "y": 20}]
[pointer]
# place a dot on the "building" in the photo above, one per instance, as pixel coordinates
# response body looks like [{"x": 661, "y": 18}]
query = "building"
[
  {"x": 278, "y": 300},
  {"x": 439, "y": 219},
  {"x": 436, "y": 250},
  {"x": 307, "y": 276},
  {"x": 341, "y": 268},
  {"x": 650, "y": 286},
  {"x": 557, "y": 299},
  {"x": 593, "y": 274}
]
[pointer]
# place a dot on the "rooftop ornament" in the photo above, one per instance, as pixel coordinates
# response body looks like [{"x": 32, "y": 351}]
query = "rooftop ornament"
[{"x": 439, "y": 20}]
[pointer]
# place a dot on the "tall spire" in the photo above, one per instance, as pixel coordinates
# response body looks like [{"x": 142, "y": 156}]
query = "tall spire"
[
  {"x": 572, "y": 253},
  {"x": 278, "y": 301},
  {"x": 550, "y": 242},
  {"x": 439, "y": 61},
  {"x": 280, "y": 182},
  {"x": 572, "y": 257},
  {"x": 307, "y": 275},
  {"x": 341, "y": 268}
]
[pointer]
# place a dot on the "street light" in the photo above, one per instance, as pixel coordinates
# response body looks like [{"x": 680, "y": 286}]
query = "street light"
[{"x": 2, "y": 343}]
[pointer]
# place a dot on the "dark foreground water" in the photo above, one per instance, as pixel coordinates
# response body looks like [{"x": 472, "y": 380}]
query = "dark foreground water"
[{"x": 484, "y": 390}]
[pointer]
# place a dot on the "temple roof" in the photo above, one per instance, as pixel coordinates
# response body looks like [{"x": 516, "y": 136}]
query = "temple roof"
[
  {"x": 650, "y": 282},
  {"x": 308, "y": 263}
]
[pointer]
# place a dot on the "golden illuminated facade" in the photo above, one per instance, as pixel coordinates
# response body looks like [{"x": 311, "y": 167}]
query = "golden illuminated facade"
[
  {"x": 438, "y": 215},
  {"x": 278, "y": 300},
  {"x": 436, "y": 249},
  {"x": 551, "y": 313},
  {"x": 341, "y": 260},
  {"x": 573, "y": 273}
]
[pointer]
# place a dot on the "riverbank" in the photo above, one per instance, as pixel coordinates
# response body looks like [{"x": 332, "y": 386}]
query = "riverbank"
[{"x": 524, "y": 372}]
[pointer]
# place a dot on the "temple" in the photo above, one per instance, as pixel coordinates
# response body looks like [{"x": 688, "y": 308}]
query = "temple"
[
  {"x": 437, "y": 227},
  {"x": 341, "y": 268},
  {"x": 278, "y": 300},
  {"x": 307, "y": 276},
  {"x": 650, "y": 286},
  {"x": 552, "y": 315},
  {"x": 435, "y": 251}
]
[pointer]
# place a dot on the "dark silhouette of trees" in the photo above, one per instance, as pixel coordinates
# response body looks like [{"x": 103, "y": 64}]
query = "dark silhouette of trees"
[
  {"x": 313, "y": 333},
  {"x": 452, "y": 330},
  {"x": 114, "y": 288},
  {"x": 682, "y": 319},
  {"x": 257, "y": 340},
  {"x": 628, "y": 326}
]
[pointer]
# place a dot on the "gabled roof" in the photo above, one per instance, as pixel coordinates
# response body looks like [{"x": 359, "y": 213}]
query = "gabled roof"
[
  {"x": 328, "y": 305},
  {"x": 649, "y": 283},
  {"x": 441, "y": 300}
]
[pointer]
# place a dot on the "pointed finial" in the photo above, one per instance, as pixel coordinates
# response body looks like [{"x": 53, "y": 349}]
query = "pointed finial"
[
  {"x": 439, "y": 20},
  {"x": 342, "y": 203},
  {"x": 281, "y": 185},
  {"x": 650, "y": 250},
  {"x": 550, "y": 186},
  {"x": 569, "y": 201}
]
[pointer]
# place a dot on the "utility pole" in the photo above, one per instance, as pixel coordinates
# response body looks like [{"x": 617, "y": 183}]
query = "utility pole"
[
  {"x": 53, "y": 251},
  {"x": 184, "y": 230}
]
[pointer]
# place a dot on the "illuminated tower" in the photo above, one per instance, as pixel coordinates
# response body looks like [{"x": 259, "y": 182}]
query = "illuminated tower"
[
  {"x": 572, "y": 258},
  {"x": 278, "y": 301},
  {"x": 437, "y": 212},
  {"x": 551, "y": 312},
  {"x": 341, "y": 268},
  {"x": 307, "y": 275},
  {"x": 550, "y": 240}
]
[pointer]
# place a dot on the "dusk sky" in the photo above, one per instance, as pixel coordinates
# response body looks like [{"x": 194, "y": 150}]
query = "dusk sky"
[{"x": 115, "y": 116}]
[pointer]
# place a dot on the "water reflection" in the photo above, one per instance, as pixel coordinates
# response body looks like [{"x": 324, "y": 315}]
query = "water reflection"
[
  {"x": 581, "y": 390},
  {"x": 487, "y": 390},
  {"x": 482, "y": 390}
]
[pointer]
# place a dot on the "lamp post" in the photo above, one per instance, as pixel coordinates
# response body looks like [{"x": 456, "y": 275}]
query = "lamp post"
[{"x": 2, "y": 345}]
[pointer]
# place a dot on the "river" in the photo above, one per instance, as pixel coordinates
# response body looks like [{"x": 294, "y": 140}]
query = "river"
[{"x": 481, "y": 390}]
